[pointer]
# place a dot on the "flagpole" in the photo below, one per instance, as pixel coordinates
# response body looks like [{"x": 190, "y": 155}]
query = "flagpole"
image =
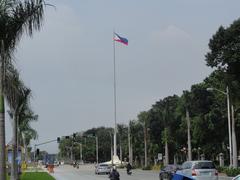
[{"x": 115, "y": 101}]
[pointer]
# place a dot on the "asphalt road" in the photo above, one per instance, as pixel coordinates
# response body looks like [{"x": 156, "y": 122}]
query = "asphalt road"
[{"x": 86, "y": 172}]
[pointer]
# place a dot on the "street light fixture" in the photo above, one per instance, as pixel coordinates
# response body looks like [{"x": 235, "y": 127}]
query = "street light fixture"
[{"x": 229, "y": 120}]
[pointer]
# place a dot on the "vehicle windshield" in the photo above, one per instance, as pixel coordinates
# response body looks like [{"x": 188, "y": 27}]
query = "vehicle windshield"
[
  {"x": 169, "y": 168},
  {"x": 204, "y": 165}
]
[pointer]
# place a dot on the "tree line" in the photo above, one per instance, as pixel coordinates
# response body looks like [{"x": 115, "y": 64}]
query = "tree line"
[
  {"x": 17, "y": 18},
  {"x": 184, "y": 126}
]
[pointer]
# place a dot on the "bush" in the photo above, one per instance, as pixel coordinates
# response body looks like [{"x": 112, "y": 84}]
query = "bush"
[
  {"x": 232, "y": 171},
  {"x": 221, "y": 169},
  {"x": 156, "y": 167}
]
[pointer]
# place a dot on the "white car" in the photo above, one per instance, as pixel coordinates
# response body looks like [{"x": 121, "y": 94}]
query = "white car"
[
  {"x": 102, "y": 169},
  {"x": 237, "y": 177},
  {"x": 199, "y": 170}
]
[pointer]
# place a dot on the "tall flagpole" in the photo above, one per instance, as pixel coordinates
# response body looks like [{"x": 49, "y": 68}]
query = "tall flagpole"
[{"x": 115, "y": 102}]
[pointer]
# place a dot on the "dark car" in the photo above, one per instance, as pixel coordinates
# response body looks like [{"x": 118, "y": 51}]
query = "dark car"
[{"x": 167, "y": 172}]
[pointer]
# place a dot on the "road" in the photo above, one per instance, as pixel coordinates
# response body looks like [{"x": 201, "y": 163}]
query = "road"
[{"x": 86, "y": 172}]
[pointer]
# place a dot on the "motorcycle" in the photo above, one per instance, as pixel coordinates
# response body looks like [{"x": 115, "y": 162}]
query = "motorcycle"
[{"x": 129, "y": 171}]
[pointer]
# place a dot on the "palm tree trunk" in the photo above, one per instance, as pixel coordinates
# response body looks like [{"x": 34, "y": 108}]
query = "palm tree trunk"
[
  {"x": 166, "y": 153},
  {"x": 120, "y": 152},
  {"x": 129, "y": 146},
  {"x": 234, "y": 141},
  {"x": 189, "y": 136},
  {"x": 14, "y": 143},
  {"x": 25, "y": 149},
  {"x": 2, "y": 139},
  {"x": 2, "y": 118}
]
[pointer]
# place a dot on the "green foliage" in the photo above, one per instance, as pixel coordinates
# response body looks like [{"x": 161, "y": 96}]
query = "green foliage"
[
  {"x": 232, "y": 171},
  {"x": 165, "y": 121},
  {"x": 221, "y": 169},
  {"x": 36, "y": 175}
]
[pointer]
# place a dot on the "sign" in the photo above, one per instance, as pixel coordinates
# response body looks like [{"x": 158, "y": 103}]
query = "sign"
[{"x": 160, "y": 157}]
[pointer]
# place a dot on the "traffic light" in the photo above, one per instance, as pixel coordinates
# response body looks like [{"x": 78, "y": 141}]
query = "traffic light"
[
  {"x": 38, "y": 152},
  {"x": 74, "y": 135},
  {"x": 58, "y": 139}
]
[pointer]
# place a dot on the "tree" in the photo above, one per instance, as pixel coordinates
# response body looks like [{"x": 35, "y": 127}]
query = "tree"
[
  {"x": 187, "y": 106},
  {"x": 163, "y": 124},
  {"x": 25, "y": 116},
  {"x": 144, "y": 120},
  {"x": 16, "y": 18},
  {"x": 15, "y": 95},
  {"x": 225, "y": 55},
  {"x": 122, "y": 130}
]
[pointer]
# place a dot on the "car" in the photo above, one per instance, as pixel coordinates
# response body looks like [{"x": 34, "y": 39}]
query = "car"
[
  {"x": 199, "y": 170},
  {"x": 177, "y": 176},
  {"x": 56, "y": 163},
  {"x": 167, "y": 172},
  {"x": 237, "y": 177},
  {"x": 102, "y": 169}
]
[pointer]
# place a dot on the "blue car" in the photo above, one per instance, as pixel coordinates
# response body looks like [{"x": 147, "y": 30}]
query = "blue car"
[
  {"x": 167, "y": 172},
  {"x": 179, "y": 176}
]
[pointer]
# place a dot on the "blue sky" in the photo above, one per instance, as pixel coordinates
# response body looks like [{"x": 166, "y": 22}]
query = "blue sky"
[{"x": 69, "y": 63}]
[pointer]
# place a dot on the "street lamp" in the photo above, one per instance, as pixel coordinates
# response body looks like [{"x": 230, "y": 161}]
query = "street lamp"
[
  {"x": 111, "y": 147},
  {"x": 229, "y": 120}
]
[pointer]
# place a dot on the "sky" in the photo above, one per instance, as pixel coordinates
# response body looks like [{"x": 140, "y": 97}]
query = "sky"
[{"x": 69, "y": 64}]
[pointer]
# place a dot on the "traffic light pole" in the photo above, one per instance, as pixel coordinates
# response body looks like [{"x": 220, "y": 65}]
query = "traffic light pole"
[{"x": 35, "y": 146}]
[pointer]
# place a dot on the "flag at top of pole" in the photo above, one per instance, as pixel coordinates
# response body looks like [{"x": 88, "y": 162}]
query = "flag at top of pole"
[{"x": 120, "y": 39}]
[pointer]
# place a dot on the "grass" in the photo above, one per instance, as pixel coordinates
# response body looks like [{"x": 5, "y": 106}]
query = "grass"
[{"x": 35, "y": 176}]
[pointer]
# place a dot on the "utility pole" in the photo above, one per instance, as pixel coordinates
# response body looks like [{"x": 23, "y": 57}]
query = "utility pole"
[
  {"x": 234, "y": 142},
  {"x": 189, "y": 135},
  {"x": 145, "y": 143},
  {"x": 97, "y": 149},
  {"x": 81, "y": 158},
  {"x": 129, "y": 145},
  {"x": 229, "y": 126},
  {"x": 229, "y": 122},
  {"x": 111, "y": 147}
]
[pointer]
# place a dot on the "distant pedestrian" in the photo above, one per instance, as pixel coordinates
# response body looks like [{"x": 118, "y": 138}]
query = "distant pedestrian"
[{"x": 114, "y": 175}]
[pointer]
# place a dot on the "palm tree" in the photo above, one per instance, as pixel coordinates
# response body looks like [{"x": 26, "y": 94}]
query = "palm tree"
[
  {"x": 187, "y": 100},
  {"x": 144, "y": 120},
  {"x": 17, "y": 17},
  {"x": 15, "y": 96},
  {"x": 25, "y": 132}
]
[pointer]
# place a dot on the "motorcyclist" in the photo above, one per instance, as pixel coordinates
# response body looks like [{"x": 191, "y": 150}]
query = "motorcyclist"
[
  {"x": 129, "y": 168},
  {"x": 114, "y": 175}
]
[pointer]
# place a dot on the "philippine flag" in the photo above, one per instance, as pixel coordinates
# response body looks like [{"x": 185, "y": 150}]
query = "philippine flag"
[{"x": 120, "y": 39}]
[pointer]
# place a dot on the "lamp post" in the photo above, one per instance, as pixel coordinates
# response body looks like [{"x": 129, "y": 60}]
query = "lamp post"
[
  {"x": 111, "y": 147},
  {"x": 229, "y": 119},
  {"x": 96, "y": 138}
]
